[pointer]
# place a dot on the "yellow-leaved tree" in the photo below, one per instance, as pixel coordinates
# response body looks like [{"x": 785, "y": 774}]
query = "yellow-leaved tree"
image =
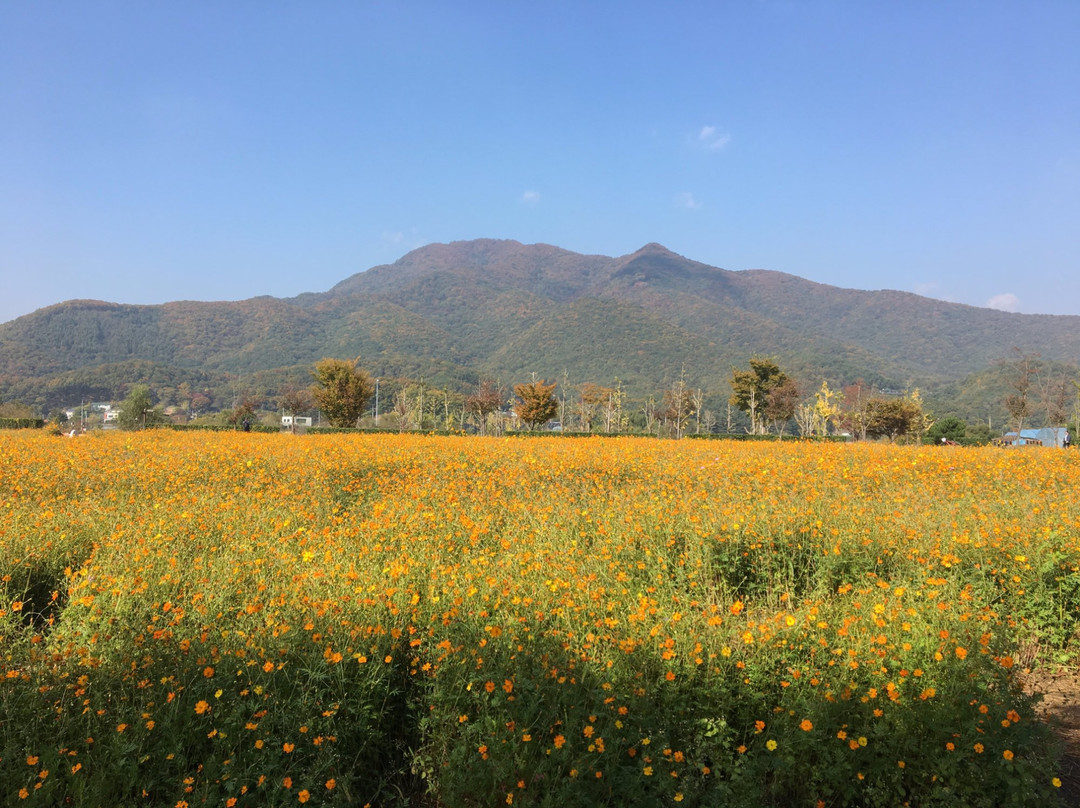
[
  {"x": 341, "y": 390},
  {"x": 538, "y": 404}
]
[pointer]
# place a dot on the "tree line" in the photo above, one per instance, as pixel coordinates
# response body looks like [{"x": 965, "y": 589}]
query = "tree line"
[
  {"x": 764, "y": 399},
  {"x": 760, "y": 399}
]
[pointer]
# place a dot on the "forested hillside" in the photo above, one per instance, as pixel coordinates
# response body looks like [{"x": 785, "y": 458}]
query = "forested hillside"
[{"x": 453, "y": 312}]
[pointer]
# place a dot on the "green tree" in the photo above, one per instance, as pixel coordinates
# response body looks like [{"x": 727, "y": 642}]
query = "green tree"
[
  {"x": 16, "y": 409},
  {"x": 341, "y": 390},
  {"x": 538, "y": 404},
  {"x": 979, "y": 434},
  {"x": 948, "y": 429},
  {"x": 137, "y": 411},
  {"x": 751, "y": 388},
  {"x": 892, "y": 418}
]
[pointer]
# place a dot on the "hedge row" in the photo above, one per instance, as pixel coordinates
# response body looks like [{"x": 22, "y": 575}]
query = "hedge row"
[
  {"x": 22, "y": 423},
  {"x": 218, "y": 427},
  {"x": 745, "y": 436}
]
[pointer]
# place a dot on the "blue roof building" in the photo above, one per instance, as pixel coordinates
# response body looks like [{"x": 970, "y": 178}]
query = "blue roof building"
[{"x": 1047, "y": 436}]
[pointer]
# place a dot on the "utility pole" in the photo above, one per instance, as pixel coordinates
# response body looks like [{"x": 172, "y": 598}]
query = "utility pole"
[{"x": 376, "y": 401}]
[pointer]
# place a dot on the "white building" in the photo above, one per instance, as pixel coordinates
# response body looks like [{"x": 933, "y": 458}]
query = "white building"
[{"x": 290, "y": 421}]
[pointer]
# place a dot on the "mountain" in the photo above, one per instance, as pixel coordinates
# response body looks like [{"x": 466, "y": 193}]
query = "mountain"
[{"x": 451, "y": 312}]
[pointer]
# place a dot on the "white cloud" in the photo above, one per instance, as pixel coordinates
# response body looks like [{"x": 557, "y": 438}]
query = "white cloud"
[
  {"x": 686, "y": 200},
  {"x": 712, "y": 138},
  {"x": 393, "y": 237},
  {"x": 1004, "y": 302},
  {"x": 530, "y": 197}
]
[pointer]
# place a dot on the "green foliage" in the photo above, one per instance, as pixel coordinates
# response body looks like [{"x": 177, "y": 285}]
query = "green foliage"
[
  {"x": 201, "y": 426},
  {"x": 752, "y": 392},
  {"x": 138, "y": 411},
  {"x": 448, "y": 313},
  {"x": 746, "y": 436},
  {"x": 16, "y": 409},
  {"x": 22, "y": 423},
  {"x": 892, "y": 418},
  {"x": 341, "y": 390},
  {"x": 978, "y": 434},
  {"x": 949, "y": 428}
]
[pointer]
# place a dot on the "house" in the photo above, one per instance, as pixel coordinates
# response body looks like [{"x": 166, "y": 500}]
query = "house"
[
  {"x": 293, "y": 421},
  {"x": 177, "y": 415},
  {"x": 1047, "y": 436}
]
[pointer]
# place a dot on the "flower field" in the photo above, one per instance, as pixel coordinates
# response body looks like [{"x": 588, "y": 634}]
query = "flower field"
[{"x": 246, "y": 619}]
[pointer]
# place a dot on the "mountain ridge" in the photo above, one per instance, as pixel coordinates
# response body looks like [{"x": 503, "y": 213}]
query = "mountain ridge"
[{"x": 455, "y": 311}]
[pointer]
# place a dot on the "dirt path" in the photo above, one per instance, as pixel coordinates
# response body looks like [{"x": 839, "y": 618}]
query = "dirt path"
[{"x": 1061, "y": 707}]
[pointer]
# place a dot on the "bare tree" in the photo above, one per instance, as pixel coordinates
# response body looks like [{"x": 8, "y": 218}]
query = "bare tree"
[
  {"x": 805, "y": 418},
  {"x": 677, "y": 405},
  {"x": 698, "y": 400},
  {"x": 295, "y": 400},
  {"x": 612, "y": 407},
  {"x": 404, "y": 409},
  {"x": 853, "y": 414},
  {"x": 1023, "y": 370},
  {"x": 1053, "y": 390},
  {"x": 710, "y": 421},
  {"x": 565, "y": 413},
  {"x": 648, "y": 409}
]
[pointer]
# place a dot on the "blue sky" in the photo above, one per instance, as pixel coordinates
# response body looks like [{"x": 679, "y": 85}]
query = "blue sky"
[{"x": 154, "y": 151}]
